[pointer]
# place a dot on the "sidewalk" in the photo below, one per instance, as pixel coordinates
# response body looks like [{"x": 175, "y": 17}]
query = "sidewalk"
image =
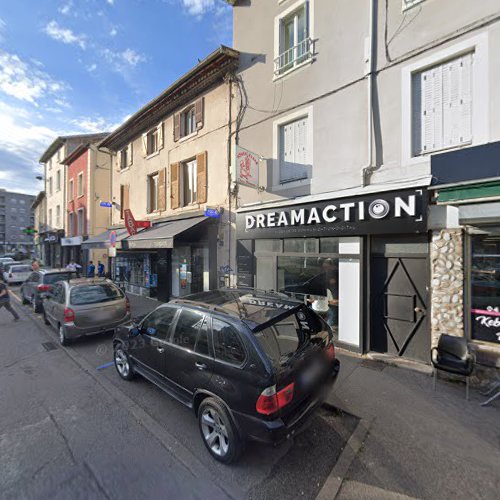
[
  {"x": 140, "y": 306},
  {"x": 420, "y": 443}
]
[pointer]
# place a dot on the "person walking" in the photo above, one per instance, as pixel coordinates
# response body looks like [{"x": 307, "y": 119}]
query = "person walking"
[
  {"x": 91, "y": 270},
  {"x": 35, "y": 266},
  {"x": 5, "y": 301},
  {"x": 100, "y": 269}
]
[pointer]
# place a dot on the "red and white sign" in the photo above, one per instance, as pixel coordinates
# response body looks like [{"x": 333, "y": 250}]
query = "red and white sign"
[
  {"x": 247, "y": 167},
  {"x": 131, "y": 224}
]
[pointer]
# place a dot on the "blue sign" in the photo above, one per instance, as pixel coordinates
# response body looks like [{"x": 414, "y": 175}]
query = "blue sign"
[
  {"x": 212, "y": 212},
  {"x": 106, "y": 204}
]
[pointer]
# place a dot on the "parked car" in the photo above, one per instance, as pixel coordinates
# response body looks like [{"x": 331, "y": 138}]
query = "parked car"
[
  {"x": 38, "y": 283},
  {"x": 15, "y": 272},
  {"x": 251, "y": 365},
  {"x": 5, "y": 260},
  {"x": 85, "y": 306}
]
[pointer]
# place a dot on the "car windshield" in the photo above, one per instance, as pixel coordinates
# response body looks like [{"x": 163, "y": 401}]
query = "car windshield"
[
  {"x": 94, "y": 294},
  {"x": 53, "y": 277},
  {"x": 20, "y": 269}
]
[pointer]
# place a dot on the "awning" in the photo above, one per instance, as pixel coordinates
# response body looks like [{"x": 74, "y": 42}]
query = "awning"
[
  {"x": 103, "y": 240},
  {"x": 162, "y": 235}
]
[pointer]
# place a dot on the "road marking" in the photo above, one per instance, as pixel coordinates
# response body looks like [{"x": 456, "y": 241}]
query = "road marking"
[{"x": 105, "y": 365}]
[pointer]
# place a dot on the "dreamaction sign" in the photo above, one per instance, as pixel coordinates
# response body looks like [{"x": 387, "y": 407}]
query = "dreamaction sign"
[{"x": 381, "y": 213}]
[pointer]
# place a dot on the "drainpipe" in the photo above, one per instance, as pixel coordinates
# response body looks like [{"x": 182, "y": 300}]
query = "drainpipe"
[
  {"x": 229, "y": 173},
  {"x": 368, "y": 168}
]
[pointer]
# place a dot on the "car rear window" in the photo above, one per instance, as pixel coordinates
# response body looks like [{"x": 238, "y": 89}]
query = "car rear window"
[
  {"x": 54, "y": 277},
  {"x": 20, "y": 269},
  {"x": 94, "y": 294}
]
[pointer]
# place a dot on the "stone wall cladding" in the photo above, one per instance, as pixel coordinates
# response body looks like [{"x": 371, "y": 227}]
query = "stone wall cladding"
[{"x": 447, "y": 282}]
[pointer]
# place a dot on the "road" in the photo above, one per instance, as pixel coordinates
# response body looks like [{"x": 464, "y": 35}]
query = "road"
[{"x": 73, "y": 428}]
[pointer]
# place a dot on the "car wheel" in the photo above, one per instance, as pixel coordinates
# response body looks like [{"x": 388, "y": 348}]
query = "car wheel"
[
  {"x": 63, "y": 340},
  {"x": 122, "y": 363},
  {"x": 34, "y": 305},
  {"x": 218, "y": 431}
]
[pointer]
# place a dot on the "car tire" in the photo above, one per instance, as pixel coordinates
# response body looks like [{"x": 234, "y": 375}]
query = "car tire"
[
  {"x": 122, "y": 363},
  {"x": 63, "y": 340},
  {"x": 25, "y": 301},
  {"x": 35, "y": 305},
  {"x": 218, "y": 431}
]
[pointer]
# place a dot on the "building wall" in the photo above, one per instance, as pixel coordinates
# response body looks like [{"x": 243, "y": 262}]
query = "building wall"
[
  {"x": 56, "y": 197},
  {"x": 78, "y": 202},
  {"x": 100, "y": 169},
  {"x": 16, "y": 215}
]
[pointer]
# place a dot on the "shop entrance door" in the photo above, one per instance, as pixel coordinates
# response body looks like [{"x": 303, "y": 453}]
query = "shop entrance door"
[{"x": 399, "y": 289}]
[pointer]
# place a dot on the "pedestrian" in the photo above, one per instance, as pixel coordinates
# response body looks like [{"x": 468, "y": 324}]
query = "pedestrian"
[
  {"x": 5, "y": 301},
  {"x": 100, "y": 269},
  {"x": 91, "y": 270},
  {"x": 35, "y": 266}
]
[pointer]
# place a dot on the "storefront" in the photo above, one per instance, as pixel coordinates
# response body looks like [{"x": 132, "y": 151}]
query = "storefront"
[
  {"x": 72, "y": 250},
  {"x": 362, "y": 262},
  {"x": 52, "y": 253}
]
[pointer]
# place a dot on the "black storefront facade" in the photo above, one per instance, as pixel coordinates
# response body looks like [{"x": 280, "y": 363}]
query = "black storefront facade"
[{"x": 366, "y": 255}]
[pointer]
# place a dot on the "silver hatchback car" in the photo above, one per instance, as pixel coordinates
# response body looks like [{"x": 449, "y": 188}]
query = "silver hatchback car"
[{"x": 85, "y": 306}]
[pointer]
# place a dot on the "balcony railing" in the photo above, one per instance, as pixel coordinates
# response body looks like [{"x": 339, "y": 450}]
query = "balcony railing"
[{"x": 293, "y": 56}]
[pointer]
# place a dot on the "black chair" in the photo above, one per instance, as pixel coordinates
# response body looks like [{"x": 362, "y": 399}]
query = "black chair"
[{"x": 452, "y": 355}]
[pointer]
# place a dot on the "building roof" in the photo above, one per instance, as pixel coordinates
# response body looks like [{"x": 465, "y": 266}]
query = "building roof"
[
  {"x": 76, "y": 153},
  {"x": 214, "y": 67},
  {"x": 59, "y": 141},
  {"x": 39, "y": 198}
]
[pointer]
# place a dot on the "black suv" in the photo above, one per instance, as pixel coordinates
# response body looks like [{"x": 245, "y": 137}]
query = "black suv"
[
  {"x": 252, "y": 365},
  {"x": 39, "y": 283}
]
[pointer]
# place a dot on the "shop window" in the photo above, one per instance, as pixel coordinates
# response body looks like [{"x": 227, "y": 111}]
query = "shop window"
[
  {"x": 153, "y": 182},
  {"x": 268, "y": 245},
  {"x": 186, "y": 329},
  {"x": 189, "y": 182},
  {"x": 301, "y": 245},
  {"x": 227, "y": 345},
  {"x": 485, "y": 286},
  {"x": 329, "y": 245}
]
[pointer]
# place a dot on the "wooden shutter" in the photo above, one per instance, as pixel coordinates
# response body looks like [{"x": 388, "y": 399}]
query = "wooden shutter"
[
  {"x": 124, "y": 198},
  {"x": 145, "y": 144},
  {"x": 175, "y": 185},
  {"x": 131, "y": 154},
  {"x": 201, "y": 177},
  {"x": 162, "y": 190},
  {"x": 160, "y": 135},
  {"x": 177, "y": 126},
  {"x": 199, "y": 110}
]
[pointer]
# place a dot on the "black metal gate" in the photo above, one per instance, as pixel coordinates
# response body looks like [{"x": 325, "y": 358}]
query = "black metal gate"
[{"x": 399, "y": 316}]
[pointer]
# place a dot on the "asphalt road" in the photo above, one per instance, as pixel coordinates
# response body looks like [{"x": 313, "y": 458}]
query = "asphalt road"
[{"x": 72, "y": 425}]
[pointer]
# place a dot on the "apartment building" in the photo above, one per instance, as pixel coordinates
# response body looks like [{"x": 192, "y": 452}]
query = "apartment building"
[
  {"x": 55, "y": 182},
  {"x": 39, "y": 207},
  {"x": 171, "y": 172},
  {"x": 347, "y": 105},
  {"x": 16, "y": 216}
]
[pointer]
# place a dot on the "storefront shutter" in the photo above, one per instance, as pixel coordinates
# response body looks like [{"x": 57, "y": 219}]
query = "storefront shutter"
[
  {"x": 201, "y": 168},
  {"x": 175, "y": 185},
  {"x": 177, "y": 126},
  {"x": 131, "y": 154},
  {"x": 199, "y": 109},
  {"x": 162, "y": 190},
  {"x": 145, "y": 144},
  {"x": 160, "y": 135}
]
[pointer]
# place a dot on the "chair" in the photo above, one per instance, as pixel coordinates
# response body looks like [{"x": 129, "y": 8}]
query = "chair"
[{"x": 452, "y": 355}]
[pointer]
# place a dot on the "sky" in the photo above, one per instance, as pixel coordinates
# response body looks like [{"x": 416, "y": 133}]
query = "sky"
[{"x": 71, "y": 66}]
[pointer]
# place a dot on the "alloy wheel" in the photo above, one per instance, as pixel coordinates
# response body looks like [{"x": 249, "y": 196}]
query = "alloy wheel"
[
  {"x": 62, "y": 337},
  {"x": 121, "y": 362},
  {"x": 214, "y": 432}
]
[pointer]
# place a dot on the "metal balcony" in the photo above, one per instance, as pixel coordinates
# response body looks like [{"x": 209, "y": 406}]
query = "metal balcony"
[{"x": 293, "y": 56}]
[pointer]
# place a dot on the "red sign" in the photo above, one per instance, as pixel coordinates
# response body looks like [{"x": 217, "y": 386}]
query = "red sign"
[
  {"x": 131, "y": 224},
  {"x": 247, "y": 167}
]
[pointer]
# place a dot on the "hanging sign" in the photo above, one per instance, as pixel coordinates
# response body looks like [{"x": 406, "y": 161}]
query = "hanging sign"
[
  {"x": 133, "y": 225},
  {"x": 106, "y": 204},
  {"x": 212, "y": 213},
  {"x": 247, "y": 167}
]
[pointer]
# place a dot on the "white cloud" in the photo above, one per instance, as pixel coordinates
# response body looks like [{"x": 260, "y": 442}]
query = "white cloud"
[
  {"x": 125, "y": 59},
  {"x": 64, "y": 35},
  {"x": 198, "y": 7},
  {"x": 110, "y": 2},
  {"x": 113, "y": 32},
  {"x": 91, "y": 68},
  {"x": 65, "y": 10},
  {"x": 24, "y": 81}
]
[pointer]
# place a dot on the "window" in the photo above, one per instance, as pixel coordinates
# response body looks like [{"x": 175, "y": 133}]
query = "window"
[
  {"x": 49, "y": 164},
  {"x": 123, "y": 158},
  {"x": 71, "y": 224},
  {"x": 79, "y": 184},
  {"x": 80, "y": 222},
  {"x": 50, "y": 217},
  {"x": 294, "y": 42},
  {"x": 58, "y": 180},
  {"x": 202, "y": 342},
  {"x": 294, "y": 161},
  {"x": 152, "y": 141},
  {"x": 153, "y": 192},
  {"x": 442, "y": 106},
  {"x": 59, "y": 154},
  {"x": 160, "y": 320},
  {"x": 186, "y": 329},
  {"x": 50, "y": 186},
  {"x": 22, "y": 202},
  {"x": 189, "y": 182},
  {"x": 58, "y": 216},
  {"x": 188, "y": 121},
  {"x": 95, "y": 294},
  {"x": 227, "y": 344},
  {"x": 71, "y": 192},
  {"x": 408, "y": 4}
]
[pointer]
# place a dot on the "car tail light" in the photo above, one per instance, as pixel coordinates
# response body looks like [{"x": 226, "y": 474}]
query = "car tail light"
[
  {"x": 69, "y": 315},
  {"x": 127, "y": 304},
  {"x": 43, "y": 288},
  {"x": 270, "y": 401},
  {"x": 330, "y": 351}
]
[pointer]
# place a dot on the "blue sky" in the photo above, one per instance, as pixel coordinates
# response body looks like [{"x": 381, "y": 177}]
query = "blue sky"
[{"x": 69, "y": 66}]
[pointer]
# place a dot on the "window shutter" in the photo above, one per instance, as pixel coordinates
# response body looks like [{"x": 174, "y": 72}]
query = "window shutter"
[
  {"x": 437, "y": 107},
  {"x": 162, "y": 190},
  {"x": 201, "y": 174},
  {"x": 175, "y": 185},
  {"x": 160, "y": 135},
  {"x": 466, "y": 98},
  {"x": 177, "y": 126},
  {"x": 145, "y": 144},
  {"x": 428, "y": 111},
  {"x": 301, "y": 158},
  {"x": 199, "y": 110},
  {"x": 131, "y": 154},
  {"x": 287, "y": 153},
  {"x": 417, "y": 117}
]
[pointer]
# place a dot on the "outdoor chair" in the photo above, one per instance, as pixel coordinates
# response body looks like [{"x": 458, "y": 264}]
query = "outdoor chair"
[{"x": 452, "y": 355}]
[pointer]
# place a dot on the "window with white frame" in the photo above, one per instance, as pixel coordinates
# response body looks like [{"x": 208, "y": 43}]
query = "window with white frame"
[
  {"x": 152, "y": 141},
  {"x": 71, "y": 224},
  {"x": 80, "y": 222},
  {"x": 294, "y": 151},
  {"x": 295, "y": 44},
  {"x": 71, "y": 192},
  {"x": 153, "y": 181},
  {"x": 58, "y": 216},
  {"x": 442, "y": 105},
  {"x": 58, "y": 180},
  {"x": 79, "y": 184},
  {"x": 188, "y": 121},
  {"x": 50, "y": 186},
  {"x": 189, "y": 176},
  {"x": 50, "y": 217}
]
